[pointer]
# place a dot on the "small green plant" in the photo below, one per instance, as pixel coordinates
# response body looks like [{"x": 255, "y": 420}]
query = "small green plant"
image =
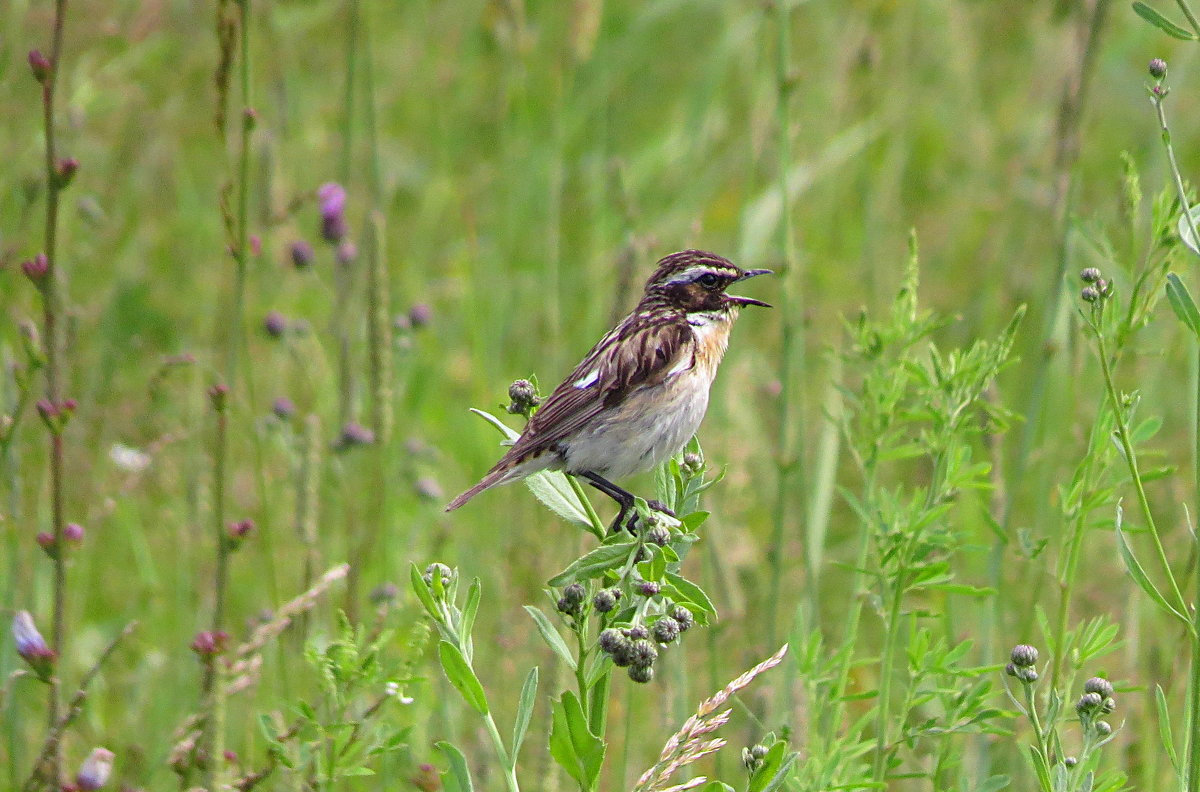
[{"x": 1058, "y": 769}]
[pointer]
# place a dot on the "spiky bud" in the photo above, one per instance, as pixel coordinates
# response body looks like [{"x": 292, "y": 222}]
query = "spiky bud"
[
  {"x": 1103, "y": 728},
  {"x": 1098, "y": 685},
  {"x": 36, "y": 268},
  {"x": 606, "y": 599},
  {"x": 1090, "y": 275},
  {"x": 1158, "y": 68},
  {"x": 637, "y": 632},
  {"x": 659, "y": 535},
  {"x": 648, "y": 588},
  {"x": 641, "y": 674},
  {"x": 1089, "y": 703},
  {"x": 1089, "y": 294},
  {"x": 523, "y": 397},
  {"x": 683, "y": 617},
  {"x": 1024, "y": 655},
  {"x": 665, "y": 630}
]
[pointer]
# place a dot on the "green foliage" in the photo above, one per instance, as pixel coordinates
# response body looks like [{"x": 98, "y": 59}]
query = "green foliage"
[{"x": 347, "y": 731}]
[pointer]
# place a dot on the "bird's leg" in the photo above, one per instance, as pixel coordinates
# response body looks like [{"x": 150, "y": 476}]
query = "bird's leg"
[{"x": 624, "y": 498}]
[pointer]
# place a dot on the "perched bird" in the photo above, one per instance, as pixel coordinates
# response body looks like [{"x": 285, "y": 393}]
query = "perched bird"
[{"x": 640, "y": 394}]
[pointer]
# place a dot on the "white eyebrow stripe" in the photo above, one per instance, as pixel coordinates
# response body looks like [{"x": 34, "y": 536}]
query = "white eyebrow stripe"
[{"x": 587, "y": 379}]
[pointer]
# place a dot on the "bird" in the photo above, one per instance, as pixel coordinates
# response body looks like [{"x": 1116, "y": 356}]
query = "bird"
[{"x": 641, "y": 392}]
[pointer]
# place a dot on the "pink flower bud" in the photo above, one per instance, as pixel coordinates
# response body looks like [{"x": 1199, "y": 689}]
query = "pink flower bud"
[
  {"x": 31, "y": 646},
  {"x": 40, "y": 65},
  {"x": 95, "y": 770},
  {"x": 36, "y": 268}
]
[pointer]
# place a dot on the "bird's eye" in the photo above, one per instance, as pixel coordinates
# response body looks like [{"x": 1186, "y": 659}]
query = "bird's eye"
[{"x": 708, "y": 280}]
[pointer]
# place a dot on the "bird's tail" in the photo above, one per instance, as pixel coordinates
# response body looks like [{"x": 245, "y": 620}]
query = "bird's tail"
[{"x": 495, "y": 477}]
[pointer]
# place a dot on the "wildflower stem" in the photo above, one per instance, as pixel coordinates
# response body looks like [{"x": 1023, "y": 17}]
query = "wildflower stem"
[
  {"x": 50, "y": 300},
  {"x": 791, "y": 415},
  {"x": 597, "y": 527},
  {"x": 882, "y": 722},
  {"x": 1122, "y": 429}
]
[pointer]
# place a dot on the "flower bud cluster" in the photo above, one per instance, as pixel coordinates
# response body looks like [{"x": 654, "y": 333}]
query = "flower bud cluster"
[
  {"x": 1097, "y": 700},
  {"x": 1097, "y": 289},
  {"x": 571, "y": 603},
  {"x": 1022, "y": 661},
  {"x": 523, "y": 397},
  {"x": 753, "y": 756},
  {"x": 636, "y": 647}
]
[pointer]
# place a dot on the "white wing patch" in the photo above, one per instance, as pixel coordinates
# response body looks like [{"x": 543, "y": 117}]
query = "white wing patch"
[{"x": 587, "y": 379}]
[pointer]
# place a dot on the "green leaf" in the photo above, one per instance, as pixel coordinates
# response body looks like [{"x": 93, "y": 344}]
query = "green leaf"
[
  {"x": 422, "y": 591},
  {"x": 551, "y": 636},
  {"x": 470, "y": 609},
  {"x": 691, "y": 592},
  {"x": 549, "y": 487},
  {"x": 458, "y": 777},
  {"x": 994, "y": 784},
  {"x": 573, "y": 745},
  {"x": 1182, "y": 303},
  {"x": 594, "y": 564},
  {"x": 1185, "y": 230},
  {"x": 1164, "y": 726},
  {"x": 1138, "y": 573},
  {"x": 524, "y": 712},
  {"x": 716, "y": 786},
  {"x": 1162, "y": 23},
  {"x": 462, "y": 677}
]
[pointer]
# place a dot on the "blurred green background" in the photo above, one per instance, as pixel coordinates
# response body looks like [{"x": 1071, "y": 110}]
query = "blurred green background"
[{"x": 529, "y": 163}]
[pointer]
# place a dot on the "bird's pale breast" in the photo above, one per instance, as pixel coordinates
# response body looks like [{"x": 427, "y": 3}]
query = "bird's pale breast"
[{"x": 653, "y": 422}]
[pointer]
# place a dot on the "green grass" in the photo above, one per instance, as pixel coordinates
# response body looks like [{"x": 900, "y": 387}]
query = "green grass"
[{"x": 529, "y": 169}]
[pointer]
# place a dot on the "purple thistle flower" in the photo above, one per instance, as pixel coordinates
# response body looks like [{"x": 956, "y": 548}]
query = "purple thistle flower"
[
  {"x": 95, "y": 770},
  {"x": 36, "y": 268},
  {"x": 284, "y": 408},
  {"x": 355, "y": 434},
  {"x": 275, "y": 324},
  {"x": 31, "y": 646}
]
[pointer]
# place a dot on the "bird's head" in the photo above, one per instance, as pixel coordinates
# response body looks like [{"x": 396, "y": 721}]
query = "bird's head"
[{"x": 695, "y": 281}]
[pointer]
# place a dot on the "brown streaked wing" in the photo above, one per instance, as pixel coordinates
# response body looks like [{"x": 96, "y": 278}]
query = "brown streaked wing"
[{"x": 637, "y": 353}]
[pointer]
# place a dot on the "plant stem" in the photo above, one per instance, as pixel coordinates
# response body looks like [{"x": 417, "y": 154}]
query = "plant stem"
[
  {"x": 597, "y": 527},
  {"x": 1131, "y": 460},
  {"x": 510, "y": 768},
  {"x": 50, "y": 332},
  {"x": 891, "y": 634},
  {"x": 792, "y": 341}
]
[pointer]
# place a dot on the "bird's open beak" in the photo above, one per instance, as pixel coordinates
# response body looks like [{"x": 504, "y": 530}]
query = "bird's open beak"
[{"x": 733, "y": 298}]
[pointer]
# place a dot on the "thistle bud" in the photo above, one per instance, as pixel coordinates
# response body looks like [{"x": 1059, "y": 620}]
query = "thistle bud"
[
  {"x": 40, "y": 65},
  {"x": 65, "y": 170},
  {"x": 95, "y": 770},
  {"x": 606, "y": 599},
  {"x": 665, "y": 630},
  {"x": 275, "y": 324},
  {"x": 73, "y": 533},
  {"x": 1088, "y": 703},
  {"x": 332, "y": 200},
  {"x": 1158, "y": 68},
  {"x": 236, "y": 533},
  {"x": 643, "y": 653},
  {"x": 302, "y": 254},
  {"x": 355, "y": 434},
  {"x": 648, "y": 588},
  {"x": 524, "y": 397},
  {"x": 1103, "y": 728},
  {"x": 641, "y": 674},
  {"x": 1090, "y": 275},
  {"x": 1098, "y": 685},
  {"x": 683, "y": 617},
  {"x": 283, "y": 408},
  {"x": 659, "y": 535},
  {"x": 637, "y": 632},
  {"x": 1089, "y": 294},
  {"x": 692, "y": 465},
  {"x": 31, "y": 646},
  {"x": 208, "y": 644},
  {"x": 36, "y": 268},
  {"x": 420, "y": 315}
]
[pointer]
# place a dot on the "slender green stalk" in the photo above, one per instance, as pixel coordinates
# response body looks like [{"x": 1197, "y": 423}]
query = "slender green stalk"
[
  {"x": 597, "y": 527},
  {"x": 1193, "y": 710},
  {"x": 1131, "y": 460},
  {"x": 791, "y": 417},
  {"x": 1191, "y": 17},
  {"x": 510, "y": 766},
  {"x": 886, "y": 660}
]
